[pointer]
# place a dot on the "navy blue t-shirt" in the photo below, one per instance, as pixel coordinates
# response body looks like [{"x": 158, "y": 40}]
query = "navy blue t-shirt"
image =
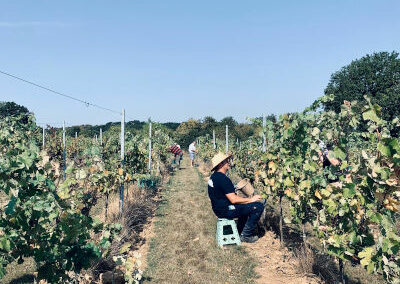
[{"x": 219, "y": 185}]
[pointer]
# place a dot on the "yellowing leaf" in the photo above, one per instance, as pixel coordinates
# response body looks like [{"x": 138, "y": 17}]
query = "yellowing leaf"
[
  {"x": 305, "y": 184},
  {"x": 393, "y": 201},
  {"x": 272, "y": 167},
  {"x": 125, "y": 248},
  {"x": 270, "y": 182},
  {"x": 366, "y": 255},
  {"x": 315, "y": 131},
  {"x": 130, "y": 263},
  {"x": 391, "y": 207},
  {"x": 353, "y": 202},
  {"x": 371, "y": 115},
  {"x": 391, "y": 182},
  {"x": 326, "y": 192},
  {"x": 81, "y": 174},
  {"x": 288, "y": 182}
]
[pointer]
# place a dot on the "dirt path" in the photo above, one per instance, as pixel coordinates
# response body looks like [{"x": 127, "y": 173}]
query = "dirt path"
[
  {"x": 184, "y": 250},
  {"x": 276, "y": 264}
]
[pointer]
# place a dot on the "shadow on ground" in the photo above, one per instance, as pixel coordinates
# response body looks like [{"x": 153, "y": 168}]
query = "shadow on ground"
[{"x": 24, "y": 279}]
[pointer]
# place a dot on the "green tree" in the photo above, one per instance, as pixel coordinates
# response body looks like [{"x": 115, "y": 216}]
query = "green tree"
[
  {"x": 187, "y": 132},
  {"x": 209, "y": 123},
  {"x": 376, "y": 75},
  {"x": 229, "y": 120},
  {"x": 13, "y": 109},
  {"x": 243, "y": 131}
]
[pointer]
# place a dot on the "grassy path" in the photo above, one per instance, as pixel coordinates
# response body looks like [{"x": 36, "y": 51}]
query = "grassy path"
[{"x": 184, "y": 248}]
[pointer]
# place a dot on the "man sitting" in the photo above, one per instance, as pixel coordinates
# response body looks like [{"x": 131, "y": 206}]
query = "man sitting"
[{"x": 226, "y": 204}]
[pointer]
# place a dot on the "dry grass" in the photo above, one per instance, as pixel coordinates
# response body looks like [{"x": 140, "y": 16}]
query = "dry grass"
[
  {"x": 310, "y": 262},
  {"x": 20, "y": 273},
  {"x": 184, "y": 249},
  {"x": 139, "y": 206},
  {"x": 205, "y": 167},
  {"x": 305, "y": 257}
]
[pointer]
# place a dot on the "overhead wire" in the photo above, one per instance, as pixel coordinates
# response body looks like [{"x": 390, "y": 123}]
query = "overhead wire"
[
  {"x": 65, "y": 95},
  {"x": 59, "y": 93}
]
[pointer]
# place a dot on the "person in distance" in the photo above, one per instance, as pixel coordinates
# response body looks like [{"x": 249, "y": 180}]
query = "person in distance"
[
  {"x": 330, "y": 164},
  {"x": 178, "y": 156},
  {"x": 192, "y": 153},
  {"x": 226, "y": 204},
  {"x": 176, "y": 150}
]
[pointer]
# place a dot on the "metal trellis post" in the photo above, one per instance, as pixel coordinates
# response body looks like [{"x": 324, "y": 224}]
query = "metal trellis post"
[
  {"x": 226, "y": 139},
  {"x": 121, "y": 191},
  {"x": 149, "y": 168},
  {"x": 264, "y": 138},
  {"x": 64, "y": 151},
  {"x": 214, "y": 139},
  {"x": 43, "y": 139}
]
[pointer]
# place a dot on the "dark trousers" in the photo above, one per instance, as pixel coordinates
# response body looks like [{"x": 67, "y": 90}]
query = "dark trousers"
[
  {"x": 178, "y": 159},
  {"x": 248, "y": 216}
]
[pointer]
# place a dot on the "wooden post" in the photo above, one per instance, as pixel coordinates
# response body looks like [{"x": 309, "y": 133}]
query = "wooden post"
[
  {"x": 101, "y": 136},
  {"x": 226, "y": 139},
  {"x": 149, "y": 168},
  {"x": 76, "y": 134},
  {"x": 121, "y": 191}
]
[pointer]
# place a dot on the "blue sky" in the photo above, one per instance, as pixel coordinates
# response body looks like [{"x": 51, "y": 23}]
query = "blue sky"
[{"x": 173, "y": 60}]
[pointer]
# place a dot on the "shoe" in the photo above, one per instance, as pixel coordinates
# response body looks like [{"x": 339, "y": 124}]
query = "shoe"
[{"x": 249, "y": 239}]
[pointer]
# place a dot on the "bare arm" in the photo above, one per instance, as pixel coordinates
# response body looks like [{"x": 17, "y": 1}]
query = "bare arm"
[
  {"x": 335, "y": 162},
  {"x": 235, "y": 199},
  {"x": 321, "y": 158}
]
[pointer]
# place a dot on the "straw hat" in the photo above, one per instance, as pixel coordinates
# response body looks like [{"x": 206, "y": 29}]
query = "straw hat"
[{"x": 218, "y": 159}]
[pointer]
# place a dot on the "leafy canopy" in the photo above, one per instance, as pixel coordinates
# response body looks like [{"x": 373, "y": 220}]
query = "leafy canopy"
[{"x": 376, "y": 75}]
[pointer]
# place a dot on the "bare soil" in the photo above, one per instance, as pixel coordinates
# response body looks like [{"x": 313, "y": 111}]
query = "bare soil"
[{"x": 277, "y": 264}]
